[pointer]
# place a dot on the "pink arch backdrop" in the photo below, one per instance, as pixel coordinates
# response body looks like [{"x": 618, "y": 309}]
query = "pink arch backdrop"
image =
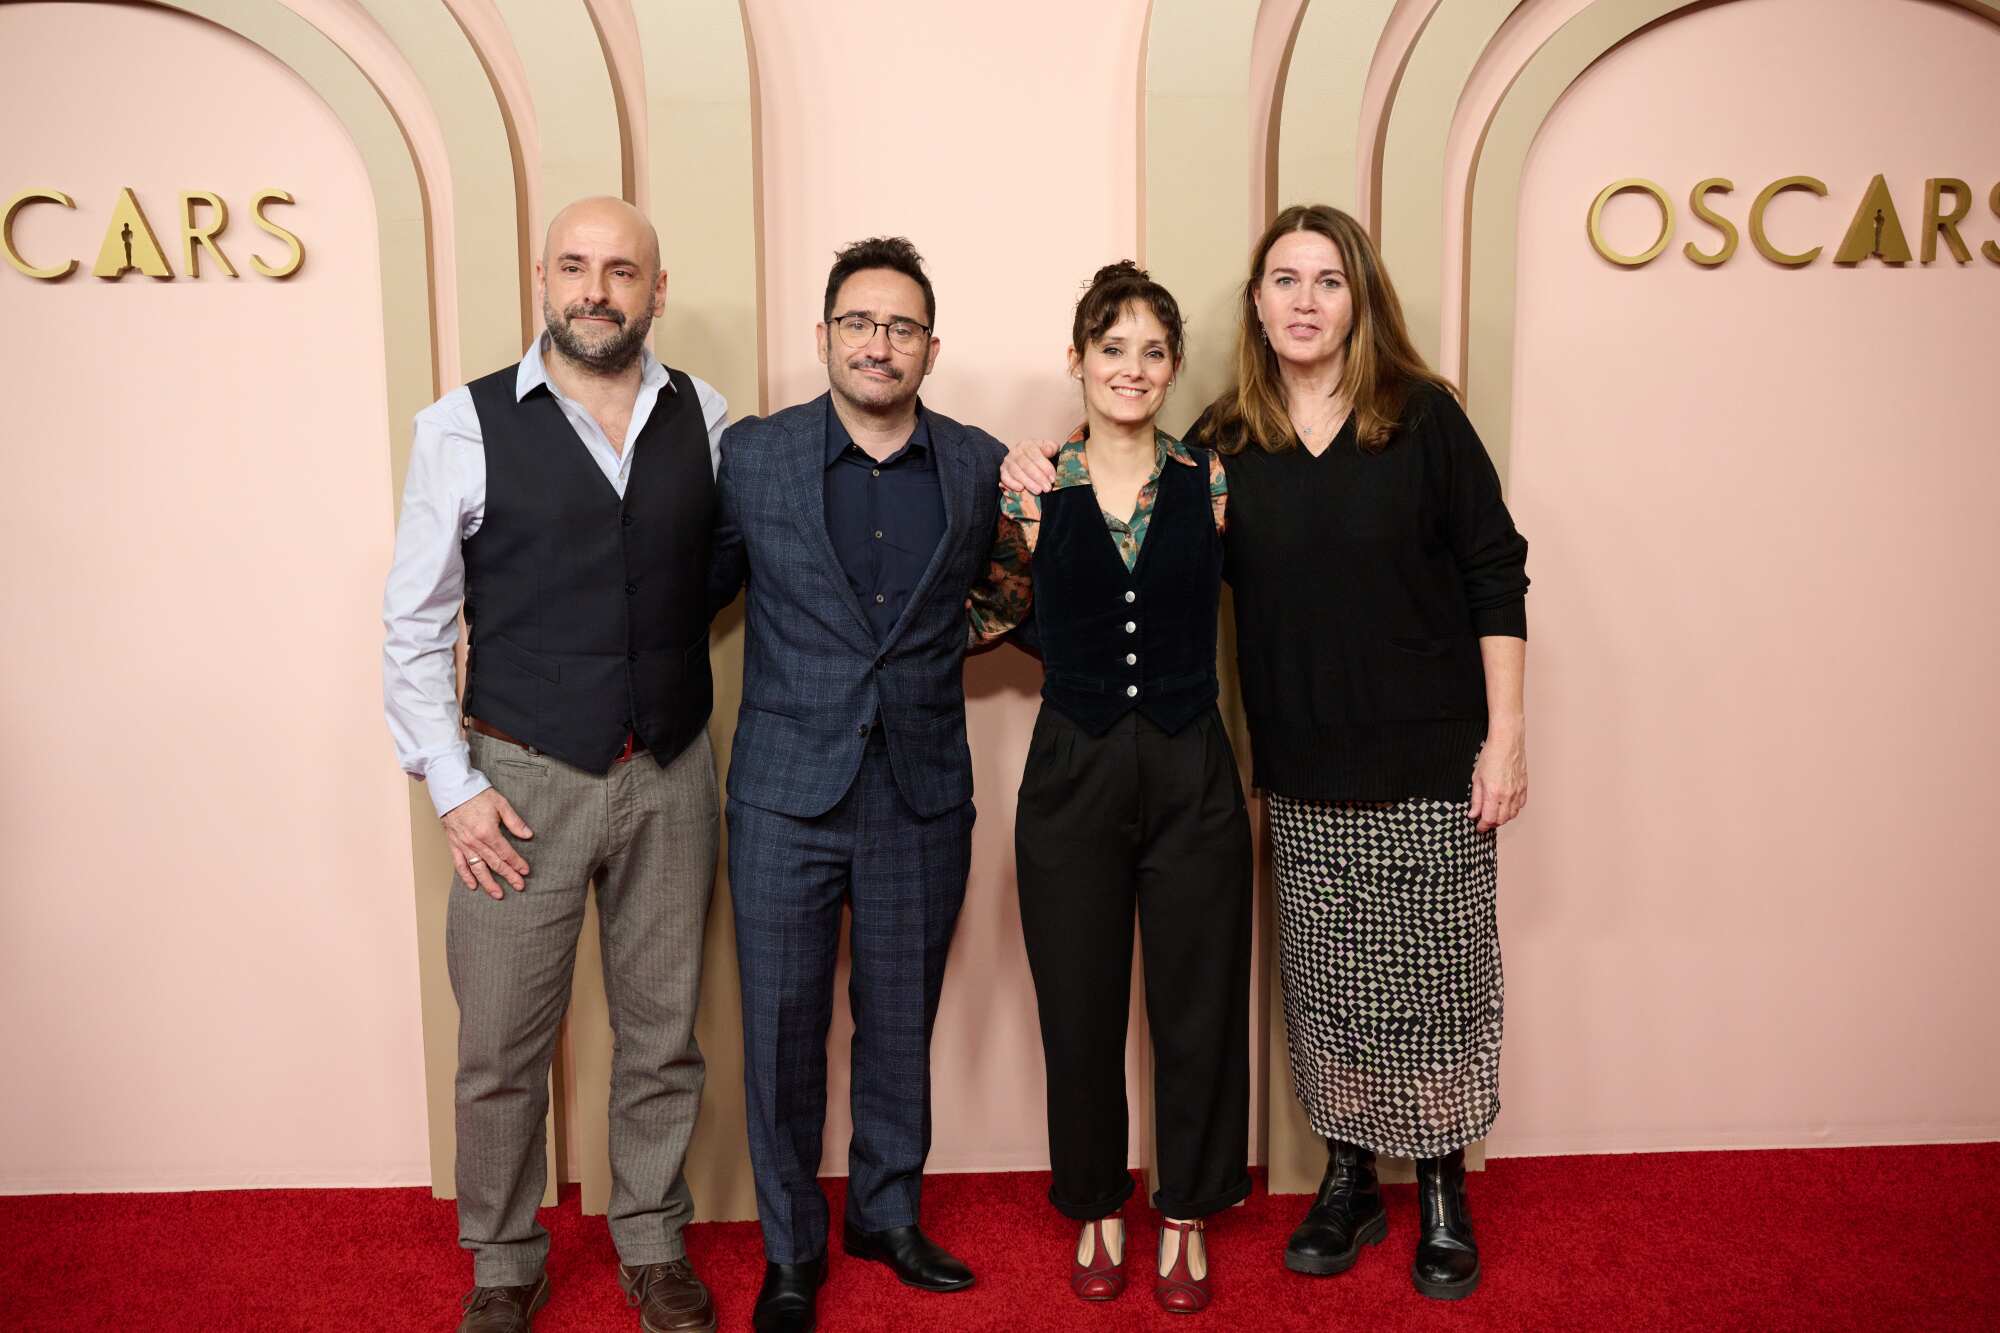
[
  {"x": 1746, "y": 907},
  {"x": 1752, "y": 905}
]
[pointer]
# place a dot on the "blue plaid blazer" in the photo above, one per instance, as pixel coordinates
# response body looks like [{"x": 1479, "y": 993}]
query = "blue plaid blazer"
[{"x": 815, "y": 681}]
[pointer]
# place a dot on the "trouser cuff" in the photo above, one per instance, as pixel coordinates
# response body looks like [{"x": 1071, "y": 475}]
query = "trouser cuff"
[
  {"x": 501, "y": 1273},
  {"x": 1171, "y": 1204},
  {"x": 656, "y": 1252},
  {"x": 1089, "y": 1210}
]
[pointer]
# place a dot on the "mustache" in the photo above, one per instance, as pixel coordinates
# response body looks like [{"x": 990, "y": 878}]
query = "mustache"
[
  {"x": 585, "y": 310},
  {"x": 870, "y": 363}
]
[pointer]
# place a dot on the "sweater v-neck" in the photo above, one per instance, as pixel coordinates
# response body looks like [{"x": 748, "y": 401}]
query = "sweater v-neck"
[{"x": 1345, "y": 423}]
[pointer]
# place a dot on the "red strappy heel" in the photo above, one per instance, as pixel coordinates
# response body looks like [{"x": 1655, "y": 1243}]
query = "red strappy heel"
[
  {"x": 1178, "y": 1290},
  {"x": 1104, "y": 1278}
]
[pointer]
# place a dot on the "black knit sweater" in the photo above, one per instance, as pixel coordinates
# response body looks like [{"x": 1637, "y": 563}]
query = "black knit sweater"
[{"x": 1363, "y": 583}]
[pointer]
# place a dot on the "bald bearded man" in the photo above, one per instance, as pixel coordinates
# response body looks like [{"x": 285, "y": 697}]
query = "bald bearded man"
[{"x": 566, "y": 503}]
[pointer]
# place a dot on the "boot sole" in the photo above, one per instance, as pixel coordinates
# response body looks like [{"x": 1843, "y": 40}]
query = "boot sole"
[
  {"x": 1372, "y": 1234},
  {"x": 1445, "y": 1291}
]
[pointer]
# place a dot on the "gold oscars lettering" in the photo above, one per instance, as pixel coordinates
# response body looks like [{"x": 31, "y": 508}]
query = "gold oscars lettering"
[
  {"x": 131, "y": 246},
  {"x": 1874, "y": 230}
]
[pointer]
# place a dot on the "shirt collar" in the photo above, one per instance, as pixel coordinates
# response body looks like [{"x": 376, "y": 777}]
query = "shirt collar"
[
  {"x": 533, "y": 372},
  {"x": 838, "y": 440},
  {"x": 1073, "y": 464}
]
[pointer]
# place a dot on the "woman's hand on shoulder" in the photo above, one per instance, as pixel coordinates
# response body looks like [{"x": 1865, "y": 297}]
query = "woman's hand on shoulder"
[
  {"x": 1500, "y": 779},
  {"x": 1029, "y": 466}
]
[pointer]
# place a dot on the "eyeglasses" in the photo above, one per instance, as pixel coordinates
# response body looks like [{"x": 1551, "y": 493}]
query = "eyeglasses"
[{"x": 905, "y": 335}]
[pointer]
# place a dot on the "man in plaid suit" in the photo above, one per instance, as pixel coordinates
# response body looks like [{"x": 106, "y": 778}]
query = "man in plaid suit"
[{"x": 857, "y": 522}]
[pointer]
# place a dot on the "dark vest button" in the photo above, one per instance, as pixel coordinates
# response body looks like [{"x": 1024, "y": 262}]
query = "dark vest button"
[
  {"x": 631, "y": 657},
  {"x": 863, "y": 729},
  {"x": 881, "y": 662},
  {"x": 631, "y": 590},
  {"x": 626, "y": 520}
]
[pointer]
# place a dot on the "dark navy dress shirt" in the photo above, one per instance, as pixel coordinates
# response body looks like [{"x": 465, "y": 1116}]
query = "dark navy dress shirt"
[{"x": 885, "y": 518}]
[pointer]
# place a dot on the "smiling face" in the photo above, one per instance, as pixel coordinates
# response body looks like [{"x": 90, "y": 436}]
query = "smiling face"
[
  {"x": 601, "y": 283},
  {"x": 1303, "y": 300},
  {"x": 1126, "y": 369},
  {"x": 877, "y": 376}
]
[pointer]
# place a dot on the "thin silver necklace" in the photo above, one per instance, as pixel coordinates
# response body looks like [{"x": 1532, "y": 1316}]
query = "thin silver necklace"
[{"x": 1330, "y": 421}]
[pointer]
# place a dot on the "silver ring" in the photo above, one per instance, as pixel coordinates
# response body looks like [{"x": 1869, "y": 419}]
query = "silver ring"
[{"x": 475, "y": 860}]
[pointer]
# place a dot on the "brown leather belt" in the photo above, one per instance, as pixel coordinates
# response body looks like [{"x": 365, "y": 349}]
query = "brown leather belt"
[{"x": 633, "y": 746}]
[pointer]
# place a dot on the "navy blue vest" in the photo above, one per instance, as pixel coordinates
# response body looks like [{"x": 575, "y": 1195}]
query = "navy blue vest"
[
  {"x": 1114, "y": 640},
  {"x": 588, "y": 614}
]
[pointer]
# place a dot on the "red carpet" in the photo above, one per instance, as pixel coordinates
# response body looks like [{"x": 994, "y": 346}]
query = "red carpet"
[{"x": 1888, "y": 1238}]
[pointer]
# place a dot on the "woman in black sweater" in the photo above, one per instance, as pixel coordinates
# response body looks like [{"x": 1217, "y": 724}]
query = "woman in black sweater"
[{"x": 1381, "y": 642}]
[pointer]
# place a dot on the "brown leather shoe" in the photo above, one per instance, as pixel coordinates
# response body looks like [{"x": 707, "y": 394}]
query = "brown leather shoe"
[
  {"x": 503, "y": 1309},
  {"x": 669, "y": 1297}
]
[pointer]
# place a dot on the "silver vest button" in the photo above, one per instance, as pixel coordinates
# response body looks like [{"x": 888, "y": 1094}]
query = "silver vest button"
[
  {"x": 1131, "y": 659},
  {"x": 1131, "y": 626},
  {"x": 1131, "y": 691},
  {"x": 1131, "y": 596}
]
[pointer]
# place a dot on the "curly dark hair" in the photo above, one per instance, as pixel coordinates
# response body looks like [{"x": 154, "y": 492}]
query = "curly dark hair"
[
  {"x": 1114, "y": 287},
  {"x": 890, "y": 252}
]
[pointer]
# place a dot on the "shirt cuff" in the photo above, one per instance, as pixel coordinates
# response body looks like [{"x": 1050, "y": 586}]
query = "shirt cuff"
[
  {"x": 1507, "y": 621},
  {"x": 452, "y": 781}
]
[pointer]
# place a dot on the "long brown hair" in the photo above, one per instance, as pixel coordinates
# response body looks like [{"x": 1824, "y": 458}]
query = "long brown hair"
[{"x": 1383, "y": 366}]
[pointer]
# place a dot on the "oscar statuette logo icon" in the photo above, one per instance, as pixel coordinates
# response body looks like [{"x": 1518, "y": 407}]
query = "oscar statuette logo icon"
[{"x": 130, "y": 245}]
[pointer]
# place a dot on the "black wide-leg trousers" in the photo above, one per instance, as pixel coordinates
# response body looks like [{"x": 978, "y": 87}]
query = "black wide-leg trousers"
[{"x": 1139, "y": 821}]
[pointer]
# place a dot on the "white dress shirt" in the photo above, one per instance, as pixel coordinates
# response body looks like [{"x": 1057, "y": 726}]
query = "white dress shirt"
[{"x": 444, "y": 502}]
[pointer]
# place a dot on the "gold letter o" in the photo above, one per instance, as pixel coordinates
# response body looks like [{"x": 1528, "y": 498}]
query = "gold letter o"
[{"x": 1666, "y": 221}]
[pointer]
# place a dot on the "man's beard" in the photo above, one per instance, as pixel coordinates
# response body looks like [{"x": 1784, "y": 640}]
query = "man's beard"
[{"x": 608, "y": 356}]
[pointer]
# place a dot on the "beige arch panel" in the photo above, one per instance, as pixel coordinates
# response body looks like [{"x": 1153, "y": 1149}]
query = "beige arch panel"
[
  {"x": 1401, "y": 32},
  {"x": 1318, "y": 161},
  {"x": 355, "y": 33},
  {"x": 617, "y": 30},
  {"x": 507, "y": 78},
  {"x": 570, "y": 86},
  {"x": 1271, "y": 48},
  {"x": 1409, "y": 168},
  {"x": 1527, "y": 68},
  {"x": 482, "y": 170}
]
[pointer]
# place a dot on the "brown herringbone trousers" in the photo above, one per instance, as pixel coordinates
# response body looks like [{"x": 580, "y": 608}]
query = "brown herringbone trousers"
[{"x": 645, "y": 835}]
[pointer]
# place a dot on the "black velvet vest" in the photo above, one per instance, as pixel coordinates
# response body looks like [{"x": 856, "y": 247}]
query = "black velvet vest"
[
  {"x": 588, "y": 614},
  {"x": 1113, "y": 639}
]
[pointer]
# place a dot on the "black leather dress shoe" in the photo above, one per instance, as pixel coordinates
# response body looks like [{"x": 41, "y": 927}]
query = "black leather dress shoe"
[
  {"x": 911, "y": 1255},
  {"x": 790, "y": 1293},
  {"x": 1447, "y": 1263},
  {"x": 1345, "y": 1215}
]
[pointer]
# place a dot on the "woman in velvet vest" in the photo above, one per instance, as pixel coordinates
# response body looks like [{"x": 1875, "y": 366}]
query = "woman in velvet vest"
[
  {"x": 1381, "y": 639},
  {"x": 1130, "y": 805}
]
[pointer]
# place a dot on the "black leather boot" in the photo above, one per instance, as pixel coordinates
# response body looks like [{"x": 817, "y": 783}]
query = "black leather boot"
[
  {"x": 1447, "y": 1263},
  {"x": 1345, "y": 1215}
]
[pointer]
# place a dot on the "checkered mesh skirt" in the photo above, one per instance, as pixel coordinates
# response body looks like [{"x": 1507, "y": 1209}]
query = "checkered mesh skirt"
[{"x": 1389, "y": 955}]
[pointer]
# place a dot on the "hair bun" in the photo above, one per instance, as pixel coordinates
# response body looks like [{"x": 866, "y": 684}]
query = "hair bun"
[{"x": 1123, "y": 270}]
